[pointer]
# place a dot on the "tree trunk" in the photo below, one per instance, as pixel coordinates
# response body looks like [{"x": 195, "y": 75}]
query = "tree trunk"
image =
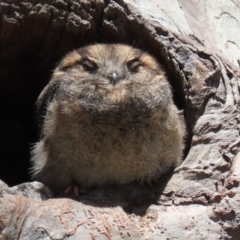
[{"x": 196, "y": 42}]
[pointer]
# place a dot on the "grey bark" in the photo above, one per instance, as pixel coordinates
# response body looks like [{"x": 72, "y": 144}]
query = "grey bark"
[{"x": 197, "y": 43}]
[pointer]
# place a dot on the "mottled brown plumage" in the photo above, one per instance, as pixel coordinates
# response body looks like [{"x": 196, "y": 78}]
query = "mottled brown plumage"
[{"x": 109, "y": 119}]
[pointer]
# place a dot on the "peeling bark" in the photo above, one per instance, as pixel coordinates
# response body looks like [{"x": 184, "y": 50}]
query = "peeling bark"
[{"x": 201, "y": 199}]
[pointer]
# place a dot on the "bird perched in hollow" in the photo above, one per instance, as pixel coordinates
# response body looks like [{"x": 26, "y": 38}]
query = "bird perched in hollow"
[{"x": 108, "y": 118}]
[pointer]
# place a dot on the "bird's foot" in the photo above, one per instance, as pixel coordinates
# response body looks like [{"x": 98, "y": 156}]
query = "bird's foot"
[
  {"x": 152, "y": 182},
  {"x": 75, "y": 191}
]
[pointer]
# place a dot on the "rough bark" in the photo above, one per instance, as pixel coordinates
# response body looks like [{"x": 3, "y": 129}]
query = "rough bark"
[{"x": 198, "y": 47}]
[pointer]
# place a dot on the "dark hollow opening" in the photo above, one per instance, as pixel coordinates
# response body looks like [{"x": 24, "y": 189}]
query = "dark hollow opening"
[{"x": 27, "y": 59}]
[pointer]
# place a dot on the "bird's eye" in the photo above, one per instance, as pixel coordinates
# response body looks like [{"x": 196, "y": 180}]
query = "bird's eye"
[
  {"x": 134, "y": 64},
  {"x": 89, "y": 65}
]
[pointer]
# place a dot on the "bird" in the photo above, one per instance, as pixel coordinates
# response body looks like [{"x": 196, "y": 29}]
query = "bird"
[{"x": 108, "y": 118}]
